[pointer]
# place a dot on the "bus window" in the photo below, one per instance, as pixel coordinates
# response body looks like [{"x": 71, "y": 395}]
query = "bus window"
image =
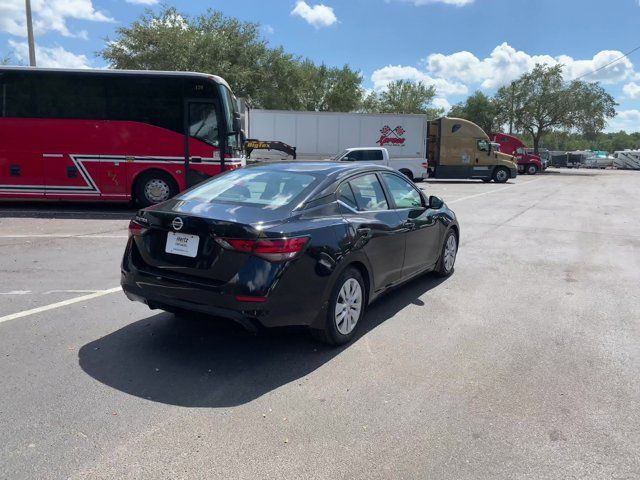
[{"x": 203, "y": 122}]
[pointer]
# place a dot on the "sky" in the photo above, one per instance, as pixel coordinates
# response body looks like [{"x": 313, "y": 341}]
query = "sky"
[{"x": 458, "y": 46}]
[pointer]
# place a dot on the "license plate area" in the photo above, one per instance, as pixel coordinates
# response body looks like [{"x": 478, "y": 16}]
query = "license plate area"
[{"x": 182, "y": 244}]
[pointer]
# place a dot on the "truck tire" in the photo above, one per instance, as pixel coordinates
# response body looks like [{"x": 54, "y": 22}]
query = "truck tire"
[
  {"x": 501, "y": 175},
  {"x": 407, "y": 173},
  {"x": 532, "y": 169},
  {"x": 154, "y": 186}
]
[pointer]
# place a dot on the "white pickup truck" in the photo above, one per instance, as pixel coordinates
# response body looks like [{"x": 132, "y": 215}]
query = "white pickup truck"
[{"x": 414, "y": 168}]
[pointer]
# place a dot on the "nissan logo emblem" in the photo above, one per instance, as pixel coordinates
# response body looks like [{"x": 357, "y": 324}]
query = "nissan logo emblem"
[{"x": 177, "y": 223}]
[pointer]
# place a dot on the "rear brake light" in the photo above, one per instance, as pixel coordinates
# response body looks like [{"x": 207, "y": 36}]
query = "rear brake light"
[
  {"x": 136, "y": 228},
  {"x": 425, "y": 165},
  {"x": 275, "y": 250}
]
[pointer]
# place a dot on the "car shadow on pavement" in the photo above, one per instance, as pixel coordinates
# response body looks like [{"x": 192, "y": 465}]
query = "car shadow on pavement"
[{"x": 203, "y": 362}]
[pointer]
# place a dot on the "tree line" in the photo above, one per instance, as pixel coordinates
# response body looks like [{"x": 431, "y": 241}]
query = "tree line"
[
  {"x": 540, "y": 105},
  {"x": 268, "y": 77}
]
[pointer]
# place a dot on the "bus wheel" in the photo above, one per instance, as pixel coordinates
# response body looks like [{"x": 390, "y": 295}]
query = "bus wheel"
[
  {"x": 154, "y": 187},
  {"x": 407, "y": 173},
  {"x": 501, "y": 175},
  {"x": 532, "y": 169}
]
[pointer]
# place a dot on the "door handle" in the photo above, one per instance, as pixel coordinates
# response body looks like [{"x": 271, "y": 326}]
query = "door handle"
[
  {"x": 364, "y": 232},
  {"x": 410, "y": 224}
]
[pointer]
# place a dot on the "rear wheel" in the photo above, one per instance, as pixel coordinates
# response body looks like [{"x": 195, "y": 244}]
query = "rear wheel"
[
  {"x": 501, "y": 175},
  {"x": 346, "y": 309},
  {"x": 532, "y": 169},
  {"x": 154, "y": 187},
  {"x": 447, "y": 260},
  {"x": 407, "y": 173}
]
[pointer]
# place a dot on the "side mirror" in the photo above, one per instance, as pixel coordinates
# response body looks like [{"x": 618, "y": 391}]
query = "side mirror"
[
  {"x": 237, "y": 125},
  {"x": 435, "y": 203}
]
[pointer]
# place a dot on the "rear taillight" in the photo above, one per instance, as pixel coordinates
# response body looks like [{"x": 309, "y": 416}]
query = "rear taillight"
[
  {"x": 425, "y": 165},
  {"x": 273, "y": 249},
  {"x": 136, "y": 228}
]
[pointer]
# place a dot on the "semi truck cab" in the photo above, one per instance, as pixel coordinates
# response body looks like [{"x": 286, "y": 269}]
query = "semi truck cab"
[
  {"x": 458, "y": 148},
  {"x": 526, "y": 160}
]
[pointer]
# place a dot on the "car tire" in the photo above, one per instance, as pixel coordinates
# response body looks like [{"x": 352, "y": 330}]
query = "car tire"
[
  {"x": 407, "y": 173},
  {"x": 154, "y": 187},
  {"x": 532, "y": 169},
  {"x": 448, "y": 254},
  {"x": 350, "y": 293},
  {"x": 501, "y": 175}
]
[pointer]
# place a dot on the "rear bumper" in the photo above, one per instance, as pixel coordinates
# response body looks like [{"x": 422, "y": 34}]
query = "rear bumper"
[{"x": 288, "y": 302}]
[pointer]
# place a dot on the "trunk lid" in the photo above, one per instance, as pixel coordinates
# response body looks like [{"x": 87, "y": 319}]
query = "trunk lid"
[{"x": 212, "y": 264}]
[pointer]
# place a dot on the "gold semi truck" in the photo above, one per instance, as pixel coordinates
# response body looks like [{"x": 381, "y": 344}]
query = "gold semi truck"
[{"x": 458, "y": 148}]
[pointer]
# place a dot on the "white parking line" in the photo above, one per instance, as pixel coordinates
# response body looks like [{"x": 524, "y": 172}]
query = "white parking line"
[
  {"x": 492, "y": 191},
  {"x": 64, "y": 303}
]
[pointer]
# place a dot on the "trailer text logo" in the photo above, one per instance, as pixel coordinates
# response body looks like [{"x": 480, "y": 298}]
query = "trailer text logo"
[{"x": 392, "y": 137}]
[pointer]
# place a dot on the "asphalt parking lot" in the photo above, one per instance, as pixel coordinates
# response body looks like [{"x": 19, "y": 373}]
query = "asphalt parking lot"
[{"x": 523, "y": 364}]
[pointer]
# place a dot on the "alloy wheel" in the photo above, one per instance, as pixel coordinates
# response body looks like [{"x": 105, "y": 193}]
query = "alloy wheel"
[
  {"x": 450, "y": 251},
  {"x": 348, "y": 306}
]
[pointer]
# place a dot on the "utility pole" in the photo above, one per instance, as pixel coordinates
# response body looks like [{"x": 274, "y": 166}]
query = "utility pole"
[{"x": 32, "y": 46}]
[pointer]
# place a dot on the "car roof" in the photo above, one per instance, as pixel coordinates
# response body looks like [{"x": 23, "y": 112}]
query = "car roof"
[
  {"x": 330, "y": 169},
  {"x": 332, "y": 173}
]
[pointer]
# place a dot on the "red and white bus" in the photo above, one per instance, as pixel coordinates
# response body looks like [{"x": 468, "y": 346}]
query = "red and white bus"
[{"x": 112, "y": 135}]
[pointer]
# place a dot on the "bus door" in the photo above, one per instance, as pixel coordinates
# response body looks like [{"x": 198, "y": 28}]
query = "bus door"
[
  {"x": 21, "y": 166},
  {"x": 202, "y": 140}
]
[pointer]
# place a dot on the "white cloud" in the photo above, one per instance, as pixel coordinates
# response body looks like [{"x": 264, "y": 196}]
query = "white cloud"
[
  {"x": 505, "y": 64},
  {"x": 318, "y": 15},
  {"x": 52, "y": 57},
  {"x": 48, "y": 15},
  {"x": 442, "y": 103},
  {"x": 268, "y": 29},
  {"x": 631, "y": 90},
  {"x": 383, "y": 76},
  {"x": 628, "y": 120},
  {"x": 142, "y": 2}
]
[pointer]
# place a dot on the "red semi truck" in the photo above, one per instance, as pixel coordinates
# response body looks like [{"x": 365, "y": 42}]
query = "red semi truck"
[{"x": 527, "y": 162}]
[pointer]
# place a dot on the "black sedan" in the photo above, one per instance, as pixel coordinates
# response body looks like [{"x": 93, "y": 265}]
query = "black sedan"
[{"x": 288, "y": 244}]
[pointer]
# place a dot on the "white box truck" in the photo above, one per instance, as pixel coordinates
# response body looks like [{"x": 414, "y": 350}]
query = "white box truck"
[{"x": 324, "y": 135}]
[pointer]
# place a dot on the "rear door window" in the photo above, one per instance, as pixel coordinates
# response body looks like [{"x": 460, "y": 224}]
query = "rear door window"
[
  {"x": 403, "y": 194},
  {"x": 373, "y": 155},
  {"x": 346, "y": 196},
  {"x": 369, "y": 193}
]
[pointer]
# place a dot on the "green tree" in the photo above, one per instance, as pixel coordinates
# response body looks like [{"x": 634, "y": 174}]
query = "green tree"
[
  {"x": 403, "y": 97},
  {"x": 543, "y": 101},
  {"x": 235, "y": 50},
  {"x": 478, "y": 108}
]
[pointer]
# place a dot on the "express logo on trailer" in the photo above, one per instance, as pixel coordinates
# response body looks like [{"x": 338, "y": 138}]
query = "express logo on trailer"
[{"x": 392, "y": 137}]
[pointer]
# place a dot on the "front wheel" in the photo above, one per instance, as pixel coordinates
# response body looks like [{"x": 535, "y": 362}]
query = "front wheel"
[
  {"x": 532, "y": 169},
  {"x": 501, "y": 175},
  {"x": 154, "y": 187},
  {"x": 346, "y": 309},
  {"x": 447, "y": 260}
]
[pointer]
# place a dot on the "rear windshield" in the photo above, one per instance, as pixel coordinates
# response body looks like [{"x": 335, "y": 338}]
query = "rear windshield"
[{"x": 255, "y": 187}]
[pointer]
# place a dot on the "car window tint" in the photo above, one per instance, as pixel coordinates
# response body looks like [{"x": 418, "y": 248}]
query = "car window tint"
[
  {"x": 253, "y": 187},
  {"x": 346, "y": 196},
  {"x": 374, "y": 155},
  {"x": 356, "y": 155},
  {"x": 403, "y": 194},
  {"x": 369, "y": 193}
]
